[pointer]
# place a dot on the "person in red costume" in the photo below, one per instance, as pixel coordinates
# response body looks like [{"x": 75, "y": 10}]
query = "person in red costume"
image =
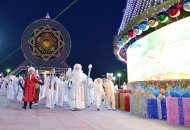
[{"x": 30, "y": 87}]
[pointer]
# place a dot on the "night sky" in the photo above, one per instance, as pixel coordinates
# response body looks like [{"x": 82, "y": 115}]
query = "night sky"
[{"x": 92, "y": 25}]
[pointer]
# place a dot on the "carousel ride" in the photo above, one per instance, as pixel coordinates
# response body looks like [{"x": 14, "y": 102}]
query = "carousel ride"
[
  {"x": 153, "y": 41},
  {"x": 142, "y": 19},
  {"x": 45, "y": 44}
]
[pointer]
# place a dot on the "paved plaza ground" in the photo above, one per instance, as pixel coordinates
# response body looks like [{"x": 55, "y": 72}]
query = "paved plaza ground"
[{"x": 12, "y": 117}]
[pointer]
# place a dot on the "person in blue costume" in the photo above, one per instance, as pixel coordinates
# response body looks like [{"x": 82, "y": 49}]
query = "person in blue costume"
[
  {"x": 146, "y": 89},
  {"x": 176, "y": 91},
  {"x": 186, "y": 92},
  {"x": 139, "y": 88},
  {"x": 151, "y": 89},
  {"x": 168, "y": 91},
  {"x": 156, "y": 92}
]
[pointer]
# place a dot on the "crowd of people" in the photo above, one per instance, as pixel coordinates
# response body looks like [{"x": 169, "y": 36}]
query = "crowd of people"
[{"x": 74, "y": 87}]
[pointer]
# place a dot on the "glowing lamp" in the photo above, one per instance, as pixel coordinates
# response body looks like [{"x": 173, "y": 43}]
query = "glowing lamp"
[
  {"x": 8, "y": 70},
  {"x": 119, "y": 74}
]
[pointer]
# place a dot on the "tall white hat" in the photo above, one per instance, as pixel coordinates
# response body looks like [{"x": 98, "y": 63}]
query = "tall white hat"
[
  {"x": 31, "y": 68},
  {"x": 109, "y": 74},
  {"x": 77, "y": 66}
]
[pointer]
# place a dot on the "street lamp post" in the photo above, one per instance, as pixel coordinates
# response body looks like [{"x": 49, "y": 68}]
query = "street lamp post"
[
  {"x": 8, "y": 71},
  {"x": 114, "y": 78},
  {"x": 119, "y": 75}
]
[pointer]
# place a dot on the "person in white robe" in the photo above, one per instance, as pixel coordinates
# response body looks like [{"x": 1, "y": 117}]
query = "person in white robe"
[
  {"x": 110, "y": 91},
  {"x": 5, "y": 83},
  {"x": 98, "y": 92},
  {"x": 52, "y": 88},
  {"x": 1, "y": 79},
  {"x": 20, "y": 89},
  {"x": 61, "y": 91},
  {"x": 78, "y": 80},
  {"x": 69, "y": 74},
  {"x": 68, "y": 86},
  {"x": 89, "y": 92},
  {"x": 66, "y": 92},
  {"x": 42, "y": 93},
  {"x": 16, "y": 86},
  {"x": 11, "y": 91}
]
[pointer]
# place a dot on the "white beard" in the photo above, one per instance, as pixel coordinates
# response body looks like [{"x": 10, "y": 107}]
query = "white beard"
[
  {"x": 77, "y": 75},
  {"x": 97, "y": 84}
]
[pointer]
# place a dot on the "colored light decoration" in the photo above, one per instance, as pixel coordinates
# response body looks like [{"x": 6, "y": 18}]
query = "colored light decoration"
[
  {"x": 148, "y": 3},
  {"x": 119, "y": 43},
  {"x": 139, "y": 3},
  {"x": 52, "y": 49},
  {"x": 173, "y": 12},
  {"x": 186, "y": 5},
  {"x": 115, "y": 50},
  {"x": 179, "y": 5},
  {"x": 144, "y": 26},
  {"x": 54, "y": 40},
  {"x": 162, "y": 17},
  {"x": 116, "y": 55},
  {"x": 131, "y": 34},
  {"x": 159, "y": 1},
  {"x": 134, "y": 9},
  {"x": 137, "y": 30},
  {"x": 116, "y": 46},
  {"x": 152, "y": 22},
  {"x": 125, "y": 38}
]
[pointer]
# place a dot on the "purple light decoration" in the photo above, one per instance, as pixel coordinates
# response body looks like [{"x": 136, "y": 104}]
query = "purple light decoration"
[{"x": 133, "y": 9}]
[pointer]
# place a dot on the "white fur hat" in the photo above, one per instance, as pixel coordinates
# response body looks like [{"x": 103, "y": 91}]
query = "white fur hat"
[
  {"x": 78, "y": 66},
  {"x": 96, "y": 80},
  {"x": 69, "y": 69},
  {"x": 31, "y": 68},
  {"x": 20, "y": 77},
  {"x": 109, "y": 74},
  {"x": 11, "y": 77}
]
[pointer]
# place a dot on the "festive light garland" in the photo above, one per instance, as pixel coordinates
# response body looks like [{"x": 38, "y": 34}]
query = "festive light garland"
[
  {"x": 133, "y": 9},
  {"x": 150, "y": 19}
]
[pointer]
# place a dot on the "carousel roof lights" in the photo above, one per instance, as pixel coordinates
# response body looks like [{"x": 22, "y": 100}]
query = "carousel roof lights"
[
  {"x": 135, "y": 8},
  {"x": 152, "y": 21}
]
